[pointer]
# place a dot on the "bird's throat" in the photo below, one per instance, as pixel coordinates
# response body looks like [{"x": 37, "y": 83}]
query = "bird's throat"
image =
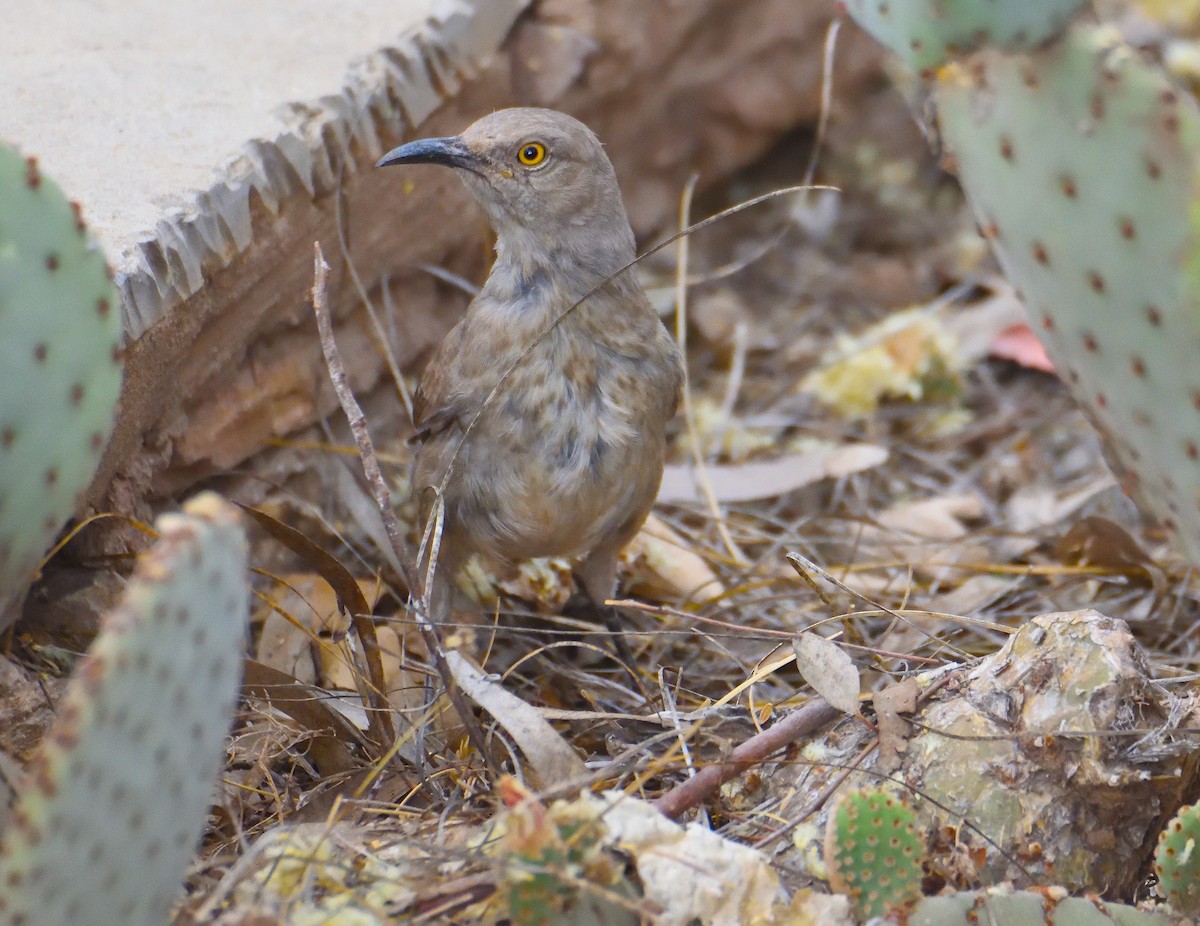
[{"x": 551, "y": 277}]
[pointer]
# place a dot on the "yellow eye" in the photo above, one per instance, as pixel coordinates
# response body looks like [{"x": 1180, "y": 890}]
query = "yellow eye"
[{"x": 532, "y": 153}]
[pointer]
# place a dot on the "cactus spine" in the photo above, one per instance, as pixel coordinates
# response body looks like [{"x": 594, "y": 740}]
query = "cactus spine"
[
  {"x": 873, "y": 854},
  {"x": 1079, "y": 163}
]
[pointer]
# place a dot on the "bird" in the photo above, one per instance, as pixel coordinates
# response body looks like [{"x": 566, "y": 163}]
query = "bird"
[{"x": 541, "y": 419}]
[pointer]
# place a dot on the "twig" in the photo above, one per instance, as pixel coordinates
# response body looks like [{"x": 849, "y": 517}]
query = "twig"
[
  {"x": 831, "y": 35},
  {"x": 385, "y": 343},
  {"x": 765, "y": 633},
  {"x": 672, "y": 711},
  {"x": 806, "y": 569},
  {"x": 733, "y": 385},
  {"x": 801, "y": 722},
  {"x": 689, "y": 416},
  {"x": 383, "y": 498}
]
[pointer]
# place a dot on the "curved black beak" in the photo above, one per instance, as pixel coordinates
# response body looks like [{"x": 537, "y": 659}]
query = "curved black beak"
[{"x": 450, "y": 152}]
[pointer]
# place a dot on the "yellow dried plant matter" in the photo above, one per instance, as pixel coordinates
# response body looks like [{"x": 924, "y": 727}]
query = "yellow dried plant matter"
[
  {"x": 313, "y": 873},
  {"x": 908, "y": 355}
]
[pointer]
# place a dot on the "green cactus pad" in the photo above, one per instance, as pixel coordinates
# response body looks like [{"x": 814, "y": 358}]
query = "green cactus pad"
[
  {"x": 1177, "y": 861},
  {"x": 120, "y": 791},
  {"x": 1004, "y": 907},
  {"x": 925, "y": 34},
  {"x": 873, "y": 852},
  {"x": 1079, "y": 162},
  {"x": 60, "y": 332}
]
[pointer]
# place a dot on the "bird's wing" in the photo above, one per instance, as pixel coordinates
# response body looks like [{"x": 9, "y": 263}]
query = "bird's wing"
[{"x": 436, "y": 403}]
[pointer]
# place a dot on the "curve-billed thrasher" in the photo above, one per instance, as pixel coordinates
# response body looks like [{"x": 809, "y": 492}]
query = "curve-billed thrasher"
[{"x": 567, "y": 457}]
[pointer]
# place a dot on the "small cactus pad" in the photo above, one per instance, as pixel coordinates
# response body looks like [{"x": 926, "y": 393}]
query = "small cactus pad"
[
  {"x": 925, "y": 34},
  {"x": 873, "y": 852},
  {"x": 60, "y": 332},
  {"x": 1177, "y": 861},
  {"x": 1079, "y": 162},
  {"x": 120, "y": 791},
  {"x": 1006, "y": 907}
]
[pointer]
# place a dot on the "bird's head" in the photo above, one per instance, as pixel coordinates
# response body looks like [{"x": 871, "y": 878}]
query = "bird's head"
[{"x": 540, "y": 175}]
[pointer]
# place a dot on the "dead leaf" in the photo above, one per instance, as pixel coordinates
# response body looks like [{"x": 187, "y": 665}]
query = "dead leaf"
[
  {"x": 321, "y": 562},
  {"x": 333, "y": 735},
  {"x": 973, "y": 596},
  {"x": 938, "y": 518},
  {"x": 1097, "y": 541},
  {"x": 829, "y": 670},
  {"x": 929, "y": 534},
  {"x": 354, "y": 602},
  {"x": 689, "y": 872},
  {"x": 550, "y": 758},
  {"x": 302, "y": 615},
  {"x": 667, "y": 563},
  {"x": 770, "y": 478},
  {"x": 1037, "y": 506},
  {"x": 404, "y": 679},
  {"x": 976, "y": 326},
  {"x": 894, "y": 706}
]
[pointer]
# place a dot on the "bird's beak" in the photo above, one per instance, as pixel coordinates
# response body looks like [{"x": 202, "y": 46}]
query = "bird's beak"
[{"x": 450, "y": 152}]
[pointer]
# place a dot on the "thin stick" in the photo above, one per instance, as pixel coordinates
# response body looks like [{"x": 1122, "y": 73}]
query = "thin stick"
[
  {"x": 354, "y": 415},
  {"x": 831, "y": 35},
  {"x": 385, "y": 343},
  {"x": 801, "y": 722},
  {"x": 737, "y": 372},
  {"x": 689, "y": 415},
  {"x": 765, "y": 633},
  {"x": 383, "y": 499}
]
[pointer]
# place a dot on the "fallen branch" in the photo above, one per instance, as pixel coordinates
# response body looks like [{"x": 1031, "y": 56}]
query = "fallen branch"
[{"x": 801, "y": 722}]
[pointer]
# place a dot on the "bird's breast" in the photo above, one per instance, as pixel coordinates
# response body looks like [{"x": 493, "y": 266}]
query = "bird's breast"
[{"x": 574, "y": 446}]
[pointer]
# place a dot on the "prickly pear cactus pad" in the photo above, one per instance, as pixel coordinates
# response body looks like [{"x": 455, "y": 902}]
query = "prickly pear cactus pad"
[
  {"x": 925, "y": 33},
  {"x": 873, "y": 852},
  {"x": 60, "y": 331},
  {"x": 1006, "y": 907},
  {"x": 1079, "y": 161},
  {"x": 1177, "y": 861},
  {"x": 120, "y": 791}
]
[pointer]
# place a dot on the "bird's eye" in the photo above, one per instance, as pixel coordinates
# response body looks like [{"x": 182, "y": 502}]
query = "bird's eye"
[{"x": 532, "y": 153}]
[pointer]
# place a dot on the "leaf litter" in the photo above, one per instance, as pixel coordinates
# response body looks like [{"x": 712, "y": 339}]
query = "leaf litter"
[{"x": 851, "y": 411}]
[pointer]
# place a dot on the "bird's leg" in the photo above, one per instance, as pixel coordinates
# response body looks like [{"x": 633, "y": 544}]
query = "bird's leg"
[{"x": 598, "y": 576}]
